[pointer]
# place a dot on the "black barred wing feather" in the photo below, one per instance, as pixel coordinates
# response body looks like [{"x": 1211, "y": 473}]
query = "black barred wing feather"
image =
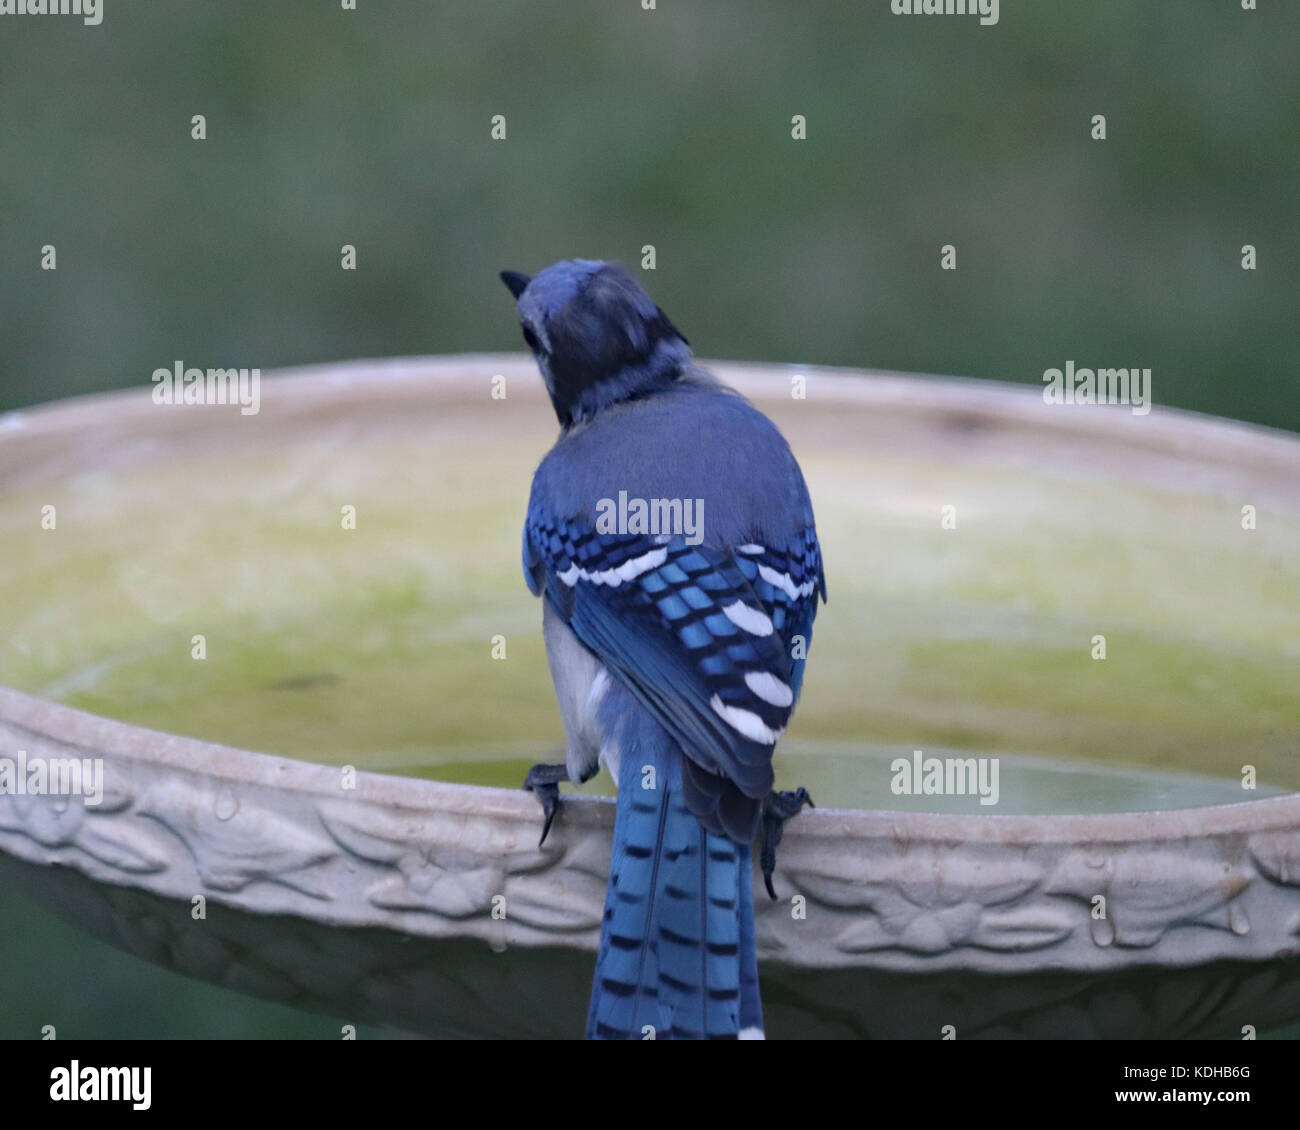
[
  {"x": 788, "y": 581},
  {"x": 700, "y": 635}
]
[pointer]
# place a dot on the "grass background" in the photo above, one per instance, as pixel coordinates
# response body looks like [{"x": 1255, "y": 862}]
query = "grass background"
[{"x": 671, "y": 128}]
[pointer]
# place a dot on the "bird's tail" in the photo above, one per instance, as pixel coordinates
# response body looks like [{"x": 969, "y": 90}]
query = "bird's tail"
[{"x": 677, "y": 957}]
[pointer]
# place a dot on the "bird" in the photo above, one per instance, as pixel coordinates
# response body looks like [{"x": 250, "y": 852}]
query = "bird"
[{"x": 676, "y": 648}]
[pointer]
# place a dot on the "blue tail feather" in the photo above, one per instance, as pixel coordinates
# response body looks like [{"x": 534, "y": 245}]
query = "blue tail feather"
[{"x": 677, "y": 956}]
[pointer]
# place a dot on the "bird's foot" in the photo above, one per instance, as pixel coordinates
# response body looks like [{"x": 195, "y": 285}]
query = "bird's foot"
[
  {"x": 777, "y": 809},
  {"x": 543, "y": 781}
]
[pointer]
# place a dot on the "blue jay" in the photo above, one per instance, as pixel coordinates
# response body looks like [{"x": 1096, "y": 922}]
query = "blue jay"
[{"x": 676, "y": 653}]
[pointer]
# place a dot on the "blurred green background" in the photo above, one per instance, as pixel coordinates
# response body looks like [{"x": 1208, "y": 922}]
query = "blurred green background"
[
  {"x": 625, "y": 128},
  {"x": 672, "y": 128}
]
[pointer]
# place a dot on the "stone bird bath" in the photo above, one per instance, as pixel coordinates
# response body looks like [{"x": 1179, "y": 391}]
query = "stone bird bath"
[{"x": 203, "y": 593}]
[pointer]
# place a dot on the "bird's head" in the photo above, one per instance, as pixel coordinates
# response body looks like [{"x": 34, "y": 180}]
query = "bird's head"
[{"x": 597, "y": 336}]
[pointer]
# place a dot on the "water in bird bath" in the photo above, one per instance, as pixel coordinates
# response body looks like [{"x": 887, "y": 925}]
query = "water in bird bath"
[
  {"x": 845, "y": 775},
  {"x": 223, "y": 595}
]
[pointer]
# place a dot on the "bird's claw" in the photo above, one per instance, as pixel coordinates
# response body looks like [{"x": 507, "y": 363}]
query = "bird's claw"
[
  {"x": 543, "y": 781},
  {"x": 777, "y": 809}
]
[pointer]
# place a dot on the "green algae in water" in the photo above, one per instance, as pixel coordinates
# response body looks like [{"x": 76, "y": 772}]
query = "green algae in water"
[{"x": 375, "y": 647}]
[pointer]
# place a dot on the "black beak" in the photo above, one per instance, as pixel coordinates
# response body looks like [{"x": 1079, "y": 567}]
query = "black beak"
[{"x": 515, "y": 282}]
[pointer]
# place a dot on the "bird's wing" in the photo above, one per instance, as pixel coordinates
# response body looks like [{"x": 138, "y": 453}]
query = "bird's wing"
[{"x": 704, "y": 637}]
